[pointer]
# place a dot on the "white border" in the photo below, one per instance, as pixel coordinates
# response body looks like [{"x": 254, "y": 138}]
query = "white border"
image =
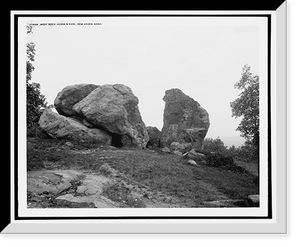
[
  {"x": 277, "y": 224},
  {"x": 261, "y": 23}
]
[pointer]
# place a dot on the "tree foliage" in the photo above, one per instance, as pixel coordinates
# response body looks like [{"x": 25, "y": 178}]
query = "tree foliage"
[
  {"x": 35, "y": 100},
  {"x": 214, "y": 145},
  {"x": 245, "y": 153},
  {"x": 246, "y": 106},
  {"x": 35, "y": 103},
  {"x": 30, "y": 53}
]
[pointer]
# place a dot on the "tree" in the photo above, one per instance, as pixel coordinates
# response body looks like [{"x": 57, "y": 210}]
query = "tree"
[
  {"x": 35, "y": 100},
  {"x": 247, "y": 107},
  {"x": 30, "y": 53},
  {"x": 214, "y": 145}
]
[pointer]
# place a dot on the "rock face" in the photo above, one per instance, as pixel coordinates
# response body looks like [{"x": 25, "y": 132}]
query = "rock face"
[
  {"x": 185, "y": 121},
  {"x": 111, "y": 110},
  {"x": 69, "y": 96},
  {"x": 154, "y": 136},
  {"x": 114, "y": 108},
  {"x": 53, "y": 182},
  {"x": 58, "y": 126}
]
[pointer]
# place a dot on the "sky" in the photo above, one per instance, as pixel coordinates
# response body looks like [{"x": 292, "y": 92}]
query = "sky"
[{"x": 201, "y": 56}]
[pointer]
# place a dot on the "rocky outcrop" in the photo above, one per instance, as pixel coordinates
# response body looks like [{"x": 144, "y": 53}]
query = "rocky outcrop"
[
  {"x": 154, "y": 136},
  {"x": 114, "y": 108},
  {"x": 70, "y": 95},
  {"x": 185, "y": 121},
  {"x": 58, "y": 126},
  {"x": 90, "y": 109}
]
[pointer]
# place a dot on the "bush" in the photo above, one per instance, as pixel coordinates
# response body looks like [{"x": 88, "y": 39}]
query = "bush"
[
  {"x": 214, "y": 145},
  {"x": 245, "y": 153},
  {"x": 219, "y": 160}
]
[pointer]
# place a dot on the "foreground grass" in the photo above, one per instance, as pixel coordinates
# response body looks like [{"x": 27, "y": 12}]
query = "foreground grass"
[{"x": 166, "y": 173}]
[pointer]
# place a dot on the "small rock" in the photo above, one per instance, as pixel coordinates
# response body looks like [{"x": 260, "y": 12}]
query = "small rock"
[
  {"x": 192, "y": 154},
  {"x": 223, "y": 203},
  {"x": 166, "y": 150},
  {"x": 154, "y": 136},
  {"x": 91, "y": 191},
  {"x": 81, "y": 189},
  {"x": 254, "y": 198},
  {"x": 176, "y": 146},
  {"x": 192, "y": 162},
  {"x": 69, "y": 144},
  {"x": 177, "y": 153}
]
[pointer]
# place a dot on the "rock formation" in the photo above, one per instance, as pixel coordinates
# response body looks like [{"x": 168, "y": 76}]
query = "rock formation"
[
  {"x": 111, "y": 109},
  {"x": 185, "y": 121},
  {"x": 70, "y": 95},
  {"x": 154, "y": 136},
  {"x": 114, "y": 108},
  {"x": 58, "y": 126}
]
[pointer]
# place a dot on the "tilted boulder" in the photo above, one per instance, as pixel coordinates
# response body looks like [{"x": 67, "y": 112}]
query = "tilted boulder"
[
  {"x": 62, "y": 127},
  {"x": 69, "y": 96},
  {"x": 114, "y": 108},
  {"x": 185, "y": 121}
]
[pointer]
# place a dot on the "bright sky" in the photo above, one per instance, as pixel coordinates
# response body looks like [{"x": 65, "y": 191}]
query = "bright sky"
[{"x": 201, "y": 56}]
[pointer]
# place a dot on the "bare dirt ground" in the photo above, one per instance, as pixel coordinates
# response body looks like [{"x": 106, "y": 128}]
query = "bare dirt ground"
[{"x": 65, "y": 175}]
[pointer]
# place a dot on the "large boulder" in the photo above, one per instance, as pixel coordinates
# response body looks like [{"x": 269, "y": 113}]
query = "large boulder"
[
  {"x": 115, "y": 109},
  {"x": 69, "y": 96},
  {"x": 154, "y": 136},
  {"x": 62, "y": 127},
  {"x": 185, "y": 121}
]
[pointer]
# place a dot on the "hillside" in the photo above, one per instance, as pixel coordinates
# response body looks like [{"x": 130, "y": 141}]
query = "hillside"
[{"x": 63, "y": 174}]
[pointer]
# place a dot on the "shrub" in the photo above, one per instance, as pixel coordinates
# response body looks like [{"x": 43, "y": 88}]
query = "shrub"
[
  {"x": 214, "y": 145},
  {"x": 219, "y": 160}
]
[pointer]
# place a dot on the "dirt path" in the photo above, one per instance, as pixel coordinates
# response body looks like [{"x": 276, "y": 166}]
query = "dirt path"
[{"x": 73, "y": 188}]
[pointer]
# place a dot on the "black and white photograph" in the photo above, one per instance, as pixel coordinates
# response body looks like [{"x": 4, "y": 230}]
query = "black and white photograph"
[
  {"x": 144, "y": 116},
  {"x": 143, "y": 112}
]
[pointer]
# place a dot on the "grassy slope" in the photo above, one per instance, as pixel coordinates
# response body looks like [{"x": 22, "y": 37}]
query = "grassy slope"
[{"x": 160, "y": 172}]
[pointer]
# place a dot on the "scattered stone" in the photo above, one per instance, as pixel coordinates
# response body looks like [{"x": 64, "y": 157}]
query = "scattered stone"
[
  {"x": 166, "y": 150},
  {"x": 182, "y": 147},
  {"x": 154, "y": 136},
  {"x": 224, "y": 203},
  {"x": 192, "y": 162},
  {"x": 59, "y": 184},
  {"x": 177, "y": 153},
  {"x": 192, "y": 154},
  {"x": 69, "y": 200},
  {"x": 54, "y": 181},
  {"x": 254, "y": 199},
  {"x": 81, "y": 189},
  {"x": 69, "y": 144}
]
